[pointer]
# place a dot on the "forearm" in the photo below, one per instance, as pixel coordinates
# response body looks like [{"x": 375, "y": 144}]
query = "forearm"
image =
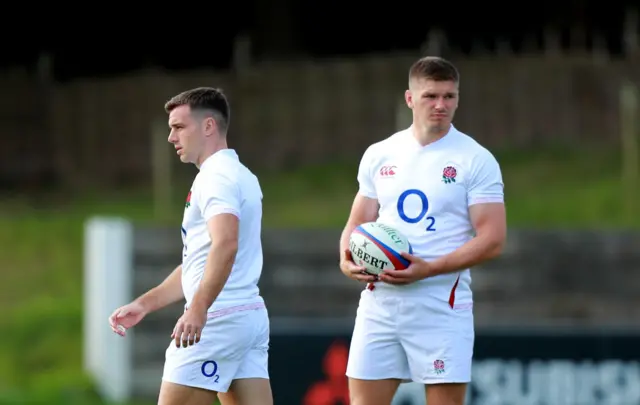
[
  {"x": 345, "y": 238},
  {"x": 478, "y": 250},
  {"x": 167, "y": 293},
  {"x": 219, "y": 264}
]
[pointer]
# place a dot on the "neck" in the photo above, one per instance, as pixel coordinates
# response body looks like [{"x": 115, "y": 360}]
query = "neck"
[
  {"x": 211, "y": 150},
  {"x": 426, "y": 135}
]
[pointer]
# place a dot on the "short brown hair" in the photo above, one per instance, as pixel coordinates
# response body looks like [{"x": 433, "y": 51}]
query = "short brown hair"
[
  {"x": 434, "y": 68},
  {"x": 206, "y": 99}
]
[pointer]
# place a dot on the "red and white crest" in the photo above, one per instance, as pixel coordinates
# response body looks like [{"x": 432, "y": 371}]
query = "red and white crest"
[{"x": 449, "y": 174}]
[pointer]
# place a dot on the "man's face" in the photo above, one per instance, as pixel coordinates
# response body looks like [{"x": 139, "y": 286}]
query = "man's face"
[
  {"x": 187, "y": 133},
  {"x": 434, "y": 103}
]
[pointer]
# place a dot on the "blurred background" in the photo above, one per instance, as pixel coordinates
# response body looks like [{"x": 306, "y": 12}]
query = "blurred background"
[{"x": 551, "y": 88}]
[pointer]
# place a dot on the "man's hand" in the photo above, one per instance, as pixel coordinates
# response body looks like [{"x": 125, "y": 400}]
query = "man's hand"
[
  {"x": 418, "y": 270},
  {"x": 126, "y": 317},
  {"x": 353, "y": 271},
  {"x": 189, "y": 327}
]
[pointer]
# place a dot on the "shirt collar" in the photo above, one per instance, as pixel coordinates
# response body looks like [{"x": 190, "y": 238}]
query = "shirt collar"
[
  {"x": 221, "y": 154},
  {"x": 446, "y": 137}
]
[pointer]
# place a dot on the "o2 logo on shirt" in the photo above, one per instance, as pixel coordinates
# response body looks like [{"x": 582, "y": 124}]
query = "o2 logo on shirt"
[
  {"x": 431, "y": 221},
  {"x": 209, "y": 369}
]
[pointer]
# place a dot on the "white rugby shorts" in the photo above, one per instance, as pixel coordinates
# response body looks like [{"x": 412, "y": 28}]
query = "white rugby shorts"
[
  {"x": 234, "y": 345},
  {"x": 422, "y": 340}
]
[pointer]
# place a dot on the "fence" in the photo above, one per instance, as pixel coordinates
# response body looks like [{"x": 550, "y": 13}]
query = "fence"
[
  {"x": 99, "y": 131},
  {"x": 563, "y": 279}
]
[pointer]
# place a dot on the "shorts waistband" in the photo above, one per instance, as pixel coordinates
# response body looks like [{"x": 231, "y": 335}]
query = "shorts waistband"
[{"x": 231, "y": 310}]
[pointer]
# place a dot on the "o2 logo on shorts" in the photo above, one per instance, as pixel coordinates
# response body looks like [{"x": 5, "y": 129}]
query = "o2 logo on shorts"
[
  {"x": 209, "y": 369},
  {"x": 431, "y": 221}
]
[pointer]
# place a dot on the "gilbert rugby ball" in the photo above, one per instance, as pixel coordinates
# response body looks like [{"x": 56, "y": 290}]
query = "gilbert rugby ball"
[{"x": 377, "y": 247}]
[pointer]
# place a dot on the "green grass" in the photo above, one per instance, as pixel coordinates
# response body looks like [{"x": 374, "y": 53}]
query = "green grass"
[{"x": 40, "y": 293}]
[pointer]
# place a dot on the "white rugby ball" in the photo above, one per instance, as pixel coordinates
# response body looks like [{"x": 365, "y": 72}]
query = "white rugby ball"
[{"x": 377, "y": 247}]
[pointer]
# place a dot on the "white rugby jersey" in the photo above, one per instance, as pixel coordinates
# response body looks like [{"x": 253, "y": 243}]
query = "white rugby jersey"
[
  {"x": 223, "y": 186},
  {"x": 425, "y": 193}
]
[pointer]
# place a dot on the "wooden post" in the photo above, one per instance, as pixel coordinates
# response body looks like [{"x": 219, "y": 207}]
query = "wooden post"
[
  {"x": 161, "y": 170},
  {"x": 629, "y": 127}
]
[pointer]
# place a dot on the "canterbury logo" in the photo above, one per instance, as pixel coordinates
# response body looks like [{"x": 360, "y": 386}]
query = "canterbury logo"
[{"x": 386, "y": 171}]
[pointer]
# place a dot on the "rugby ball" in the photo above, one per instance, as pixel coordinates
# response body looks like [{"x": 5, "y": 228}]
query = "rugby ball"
[{"x": 376, "y": 247}]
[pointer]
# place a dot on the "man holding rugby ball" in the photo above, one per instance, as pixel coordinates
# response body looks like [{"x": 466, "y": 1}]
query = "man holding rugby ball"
[{"x": 444, "y": 192}]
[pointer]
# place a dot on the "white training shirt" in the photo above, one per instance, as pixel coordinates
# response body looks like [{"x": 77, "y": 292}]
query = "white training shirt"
[
  {"x": 425, "y": 192},
  {"x": 224, "y": 186}
]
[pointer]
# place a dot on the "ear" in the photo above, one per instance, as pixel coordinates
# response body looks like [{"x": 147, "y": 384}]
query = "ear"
[
  {"x": 408, "y": 98},
  {"x": 210, "y": 126}
]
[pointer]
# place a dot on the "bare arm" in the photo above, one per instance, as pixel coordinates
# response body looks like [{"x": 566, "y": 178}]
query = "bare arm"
[
  {"x": 167, "y": 293},
  {"x": 363, "y": 210},
  {"x": 223, "y": 231},
  {"x": 489, "y": 221}
]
